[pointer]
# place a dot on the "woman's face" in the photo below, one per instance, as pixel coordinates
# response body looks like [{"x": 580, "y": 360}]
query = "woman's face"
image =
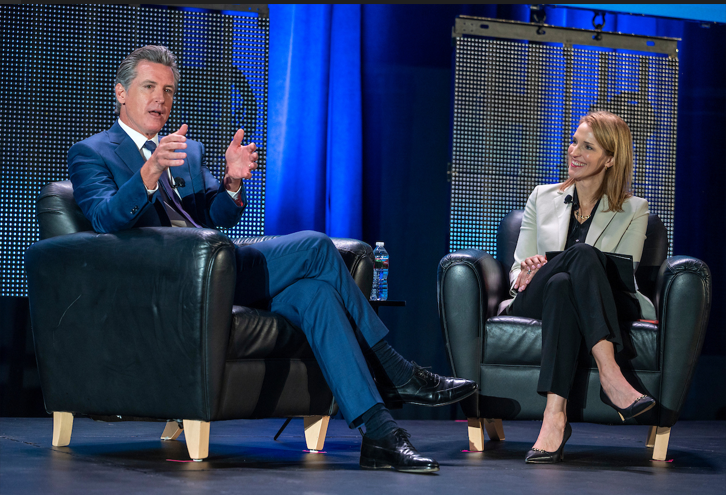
[{"x": 587, "y": 159}]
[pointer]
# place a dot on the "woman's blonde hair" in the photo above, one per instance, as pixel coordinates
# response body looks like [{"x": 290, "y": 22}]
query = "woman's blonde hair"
[{"x": 613, "y": 136}]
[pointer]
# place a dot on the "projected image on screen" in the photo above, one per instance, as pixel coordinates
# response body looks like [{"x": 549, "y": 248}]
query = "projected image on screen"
[
  {"x": 516, "y": 106},
  {"x": 58, "y": 69}
]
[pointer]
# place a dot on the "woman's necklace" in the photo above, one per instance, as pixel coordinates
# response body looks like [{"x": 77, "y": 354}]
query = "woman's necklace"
[
  {"x": 581, "y": 218},
  {"x": 578, "y": 212}
]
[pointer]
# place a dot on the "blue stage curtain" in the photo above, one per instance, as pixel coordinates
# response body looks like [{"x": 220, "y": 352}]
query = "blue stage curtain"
[{"x": 314, "y": 157}]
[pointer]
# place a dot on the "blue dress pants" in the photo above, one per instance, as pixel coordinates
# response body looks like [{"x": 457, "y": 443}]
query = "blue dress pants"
[{"x": 302, "y": 277}]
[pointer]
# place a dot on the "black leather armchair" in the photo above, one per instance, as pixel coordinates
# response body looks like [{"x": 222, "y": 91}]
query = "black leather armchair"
[
  {"x": 141, "y": 324},
  {"x": 502, "y": 353}
]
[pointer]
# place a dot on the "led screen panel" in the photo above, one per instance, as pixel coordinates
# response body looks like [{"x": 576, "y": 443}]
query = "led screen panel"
[
  {"x": 516, "y": 106},
  {"x": 58, "y": 69}
]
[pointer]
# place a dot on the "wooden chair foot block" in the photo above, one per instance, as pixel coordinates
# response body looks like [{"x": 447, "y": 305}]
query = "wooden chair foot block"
[
  {"x": 660, "y": 448},
  {"x": 171, "y": 431},
  {"x": 494, "y": 428},
  {"x": 316, "y": 427},
  {"x": 476, "y": 434},
  {"x": 197, "y": 436},
  {"x": 62, "y": 428},
  {"x": 477, "y": 426},
  {"x": 650, "y": 439}
]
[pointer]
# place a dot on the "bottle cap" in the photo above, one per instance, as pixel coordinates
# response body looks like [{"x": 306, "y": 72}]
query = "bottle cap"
[{"x": 379, "y": 243}]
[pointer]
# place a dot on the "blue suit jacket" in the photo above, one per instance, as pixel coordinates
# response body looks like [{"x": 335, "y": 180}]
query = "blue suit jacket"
[{"x": 107, "y": 185}]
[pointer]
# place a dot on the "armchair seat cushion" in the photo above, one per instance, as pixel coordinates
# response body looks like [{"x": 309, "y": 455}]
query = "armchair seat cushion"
[
  {"x": 514, "y": 340},
  {"x": 259, "y": 334}
]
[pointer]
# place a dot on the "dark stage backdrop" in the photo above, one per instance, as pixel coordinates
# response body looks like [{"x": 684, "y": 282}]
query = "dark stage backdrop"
[
  {"x": 368, "y": 89},
  {"x": 406, "y": 86}
]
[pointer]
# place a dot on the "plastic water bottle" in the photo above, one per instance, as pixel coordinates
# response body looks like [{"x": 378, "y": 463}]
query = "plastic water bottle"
[{"x": 380, "y": 274}]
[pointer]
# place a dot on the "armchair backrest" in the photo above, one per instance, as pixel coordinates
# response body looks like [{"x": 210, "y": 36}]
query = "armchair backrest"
[
  {"x": 57, "y": 211},
  {"x": 58, "y": 214},
  {"x": 655, "y": 249},
  {"x": 507, "y": 237}
]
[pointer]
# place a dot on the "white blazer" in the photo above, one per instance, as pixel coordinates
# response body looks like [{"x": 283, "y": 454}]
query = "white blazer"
[{"x": 547, "y": 218}]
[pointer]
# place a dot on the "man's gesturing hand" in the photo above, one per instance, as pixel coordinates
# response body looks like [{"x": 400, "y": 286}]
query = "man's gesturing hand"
[
  {"x": 166, "y": 155},
  {"x": 241, "y": 161}
]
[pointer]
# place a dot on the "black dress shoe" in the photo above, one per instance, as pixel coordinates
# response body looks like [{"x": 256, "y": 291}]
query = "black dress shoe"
[
  {"x": 427, "y": 389},
  {"x": 394, "y": 452},
  {"x": 639, "y": 405},
  {"x": 539, "y": 456}
]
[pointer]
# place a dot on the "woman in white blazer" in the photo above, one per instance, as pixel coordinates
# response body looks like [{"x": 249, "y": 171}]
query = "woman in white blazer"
[{"x": 591, "y": 213}]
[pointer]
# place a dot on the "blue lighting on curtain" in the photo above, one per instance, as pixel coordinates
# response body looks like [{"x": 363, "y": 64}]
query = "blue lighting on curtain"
[
  {"x": 315, "y": 156},
  {"x": 315, "y": 143}
]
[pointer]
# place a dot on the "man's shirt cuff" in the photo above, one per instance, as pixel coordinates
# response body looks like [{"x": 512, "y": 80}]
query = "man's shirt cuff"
[
  {"x": 150, "y": 192},
  {"x": 236, "y": 194}
]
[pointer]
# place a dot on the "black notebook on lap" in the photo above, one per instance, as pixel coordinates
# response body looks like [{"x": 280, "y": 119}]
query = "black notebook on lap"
[{"x": 619, "y": 269}]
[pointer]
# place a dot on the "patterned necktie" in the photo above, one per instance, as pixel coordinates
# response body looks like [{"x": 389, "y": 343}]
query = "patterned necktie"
[{"x": 171, "y": 200}]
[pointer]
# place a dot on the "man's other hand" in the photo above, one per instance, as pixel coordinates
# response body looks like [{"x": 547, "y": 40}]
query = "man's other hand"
[{"x": 241, "y": 161}]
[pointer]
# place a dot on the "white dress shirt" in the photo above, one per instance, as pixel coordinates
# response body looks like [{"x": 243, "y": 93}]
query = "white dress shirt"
[{"x": 139, "y": 140}]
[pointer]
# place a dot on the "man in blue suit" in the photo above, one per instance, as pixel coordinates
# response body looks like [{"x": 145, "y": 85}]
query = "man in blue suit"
[{"x": 128, "y": 177}]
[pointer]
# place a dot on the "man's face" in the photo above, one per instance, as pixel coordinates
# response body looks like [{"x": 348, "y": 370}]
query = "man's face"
[{"x": 146, "y": 103}]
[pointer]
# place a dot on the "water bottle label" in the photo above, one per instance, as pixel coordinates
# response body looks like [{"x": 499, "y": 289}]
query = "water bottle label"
[{"x": 379, "y": 263}]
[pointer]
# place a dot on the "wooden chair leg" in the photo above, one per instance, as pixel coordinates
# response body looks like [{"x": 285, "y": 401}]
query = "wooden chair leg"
[
  {"x": 316, "y": 427},
  {"x": 494, "y": 428},
  {"x": 660, "y": 449},
  {"x": 650, "y": 439},
  {"x": 171, "y": 431},
  {"x": 476, "y": 434},
  {"x": 62, "y": 428},
  {"x": 197, "y": 436}
]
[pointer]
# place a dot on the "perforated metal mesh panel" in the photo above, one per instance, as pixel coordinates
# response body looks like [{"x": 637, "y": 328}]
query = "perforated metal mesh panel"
[
  {"x": 58, "y": 68},
  {"x": 516, "y": 106}
]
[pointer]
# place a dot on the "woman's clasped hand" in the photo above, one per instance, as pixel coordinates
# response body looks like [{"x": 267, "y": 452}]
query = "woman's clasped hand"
[{"x": 529, "y": 269}]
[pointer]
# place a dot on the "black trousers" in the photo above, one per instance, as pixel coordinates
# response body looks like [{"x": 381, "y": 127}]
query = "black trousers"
[{"x": 573, "y": 297}]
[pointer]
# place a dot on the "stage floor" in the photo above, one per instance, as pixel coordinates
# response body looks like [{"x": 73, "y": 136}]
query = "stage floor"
[{"x": 128, "y": 457}]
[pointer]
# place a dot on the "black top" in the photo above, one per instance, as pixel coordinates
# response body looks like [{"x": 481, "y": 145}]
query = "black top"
[{"x": 577, "y": 231}]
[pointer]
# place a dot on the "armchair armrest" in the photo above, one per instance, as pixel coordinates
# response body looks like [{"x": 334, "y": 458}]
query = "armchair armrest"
[
  {"x": 470, "y": 287},
  {"x": 119, "y": 309},
  {"x": 683, "y": 299},
  {"x": 357, "y": 255}
]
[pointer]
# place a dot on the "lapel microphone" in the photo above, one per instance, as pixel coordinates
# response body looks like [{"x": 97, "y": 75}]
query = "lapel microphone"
[
  {"x": 178, "y": 182},
  {"x": 568, "y": 199}
]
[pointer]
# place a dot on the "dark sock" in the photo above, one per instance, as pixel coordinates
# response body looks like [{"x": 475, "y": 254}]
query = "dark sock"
[
  {"x": 386, "y": 362},
  {"x": 379, "y": 422}
]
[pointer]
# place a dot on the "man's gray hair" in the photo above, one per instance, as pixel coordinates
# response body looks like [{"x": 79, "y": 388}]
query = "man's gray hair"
[{"x": 150, "y": 53}]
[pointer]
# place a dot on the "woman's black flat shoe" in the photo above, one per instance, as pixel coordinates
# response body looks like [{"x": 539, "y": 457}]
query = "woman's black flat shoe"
[
  {"x": 638, "y": 407},
  {"x": 539, "y": 456}
]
